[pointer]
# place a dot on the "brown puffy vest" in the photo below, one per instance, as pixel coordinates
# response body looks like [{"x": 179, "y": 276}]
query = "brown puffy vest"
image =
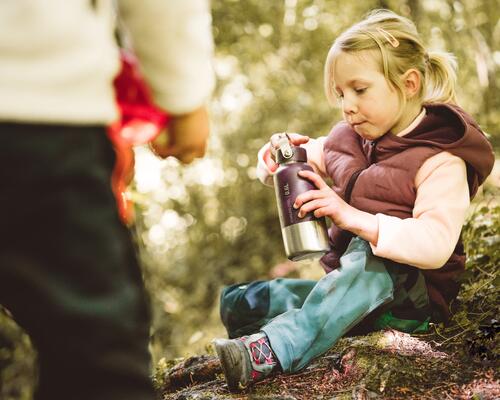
[{"x": 379, "y": 177}]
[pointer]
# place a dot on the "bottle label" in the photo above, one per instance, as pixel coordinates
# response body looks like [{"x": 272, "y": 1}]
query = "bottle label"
[{"x": 288, "y": 185}]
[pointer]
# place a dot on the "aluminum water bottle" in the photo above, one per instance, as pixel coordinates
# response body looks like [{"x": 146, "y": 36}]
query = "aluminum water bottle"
[{"x": 305, "y": 237}]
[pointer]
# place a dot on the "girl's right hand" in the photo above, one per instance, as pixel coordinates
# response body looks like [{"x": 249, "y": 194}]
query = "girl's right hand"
[{"x": 296, "y": 139}]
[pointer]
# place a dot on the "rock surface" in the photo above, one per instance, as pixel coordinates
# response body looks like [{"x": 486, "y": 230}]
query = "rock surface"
[{"x": 382, "y": 365}]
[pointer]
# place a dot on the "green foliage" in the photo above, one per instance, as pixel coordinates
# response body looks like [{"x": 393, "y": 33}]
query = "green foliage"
[
  {"x": 477, "y": 306},
  {"x": 481, "y": 236},
  {"x": 482, "y": 241},
  {"x": 17, "y": 370},
  {"x": 224, "y": 227}
]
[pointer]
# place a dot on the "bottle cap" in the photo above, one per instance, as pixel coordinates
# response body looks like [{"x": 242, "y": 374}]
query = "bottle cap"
[{"x": 298, "y": 154}]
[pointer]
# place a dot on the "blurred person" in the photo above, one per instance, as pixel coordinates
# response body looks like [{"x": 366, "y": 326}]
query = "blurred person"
[{"x": 68, "y": 272}]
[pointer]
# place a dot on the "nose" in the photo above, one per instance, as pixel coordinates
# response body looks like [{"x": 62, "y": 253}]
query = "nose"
[{"x": 349, "y": 105}]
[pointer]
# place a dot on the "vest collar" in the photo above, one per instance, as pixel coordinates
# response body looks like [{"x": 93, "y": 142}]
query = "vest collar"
[{"x": 414, "y": 124}]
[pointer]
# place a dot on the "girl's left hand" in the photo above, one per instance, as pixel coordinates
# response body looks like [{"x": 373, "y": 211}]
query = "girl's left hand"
[{"x": 324, "y": 202}]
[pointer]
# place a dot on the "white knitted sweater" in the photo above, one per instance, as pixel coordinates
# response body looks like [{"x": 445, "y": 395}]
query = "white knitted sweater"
[{"x": 58, "y": 58}]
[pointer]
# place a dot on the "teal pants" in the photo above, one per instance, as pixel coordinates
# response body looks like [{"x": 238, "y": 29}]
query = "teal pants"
[
  {"x": 304, "y": 318},
  {"x": 335, "y": 303}
]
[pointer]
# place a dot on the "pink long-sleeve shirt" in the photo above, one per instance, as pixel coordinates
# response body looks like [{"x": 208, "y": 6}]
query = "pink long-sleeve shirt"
[{"x": 428, "y": 239}]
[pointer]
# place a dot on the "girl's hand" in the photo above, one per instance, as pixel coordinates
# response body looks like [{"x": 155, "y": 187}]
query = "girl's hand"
[
  {"x": 324, "y": 202},
  {"x": 296, "y": 139}
]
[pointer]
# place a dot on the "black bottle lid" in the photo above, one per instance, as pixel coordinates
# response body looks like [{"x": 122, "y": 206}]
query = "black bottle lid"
[{"x": 299, "y": 154}]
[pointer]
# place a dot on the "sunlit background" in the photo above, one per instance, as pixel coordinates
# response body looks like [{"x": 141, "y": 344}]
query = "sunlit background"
[{"x": 210, "y": 224}]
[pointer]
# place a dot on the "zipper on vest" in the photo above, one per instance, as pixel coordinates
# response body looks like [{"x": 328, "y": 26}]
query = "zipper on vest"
[
  {"x": 373, "y": 145},
  {"x": 350, "y": 185}
]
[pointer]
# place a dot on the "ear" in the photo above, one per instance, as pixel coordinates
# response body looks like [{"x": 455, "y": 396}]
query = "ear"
[{"x": 411, "y": 81}]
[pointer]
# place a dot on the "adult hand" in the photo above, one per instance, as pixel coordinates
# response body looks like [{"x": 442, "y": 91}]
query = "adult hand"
[{"x": 186, "y": 136}]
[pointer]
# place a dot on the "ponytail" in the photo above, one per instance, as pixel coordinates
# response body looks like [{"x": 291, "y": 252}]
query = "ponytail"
[{"x": 441, "y": 78}]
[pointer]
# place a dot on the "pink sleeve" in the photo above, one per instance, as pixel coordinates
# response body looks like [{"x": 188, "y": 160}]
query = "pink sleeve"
[
  {"x": 315, "y": 158},
  {"x": 264, "y": 174},
  {"x": 315, "y": 155},
  {"x": 428, "y": 239}
]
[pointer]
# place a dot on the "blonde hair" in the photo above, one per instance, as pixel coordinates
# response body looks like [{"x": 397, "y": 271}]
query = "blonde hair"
[{"x": 397, "y": 42}]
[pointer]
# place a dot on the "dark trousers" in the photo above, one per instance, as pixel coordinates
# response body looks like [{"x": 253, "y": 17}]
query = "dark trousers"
[{"x": 68, "y": 271}]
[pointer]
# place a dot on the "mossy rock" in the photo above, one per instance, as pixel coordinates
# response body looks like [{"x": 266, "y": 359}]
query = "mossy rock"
[{"x": 382, "y": 365}]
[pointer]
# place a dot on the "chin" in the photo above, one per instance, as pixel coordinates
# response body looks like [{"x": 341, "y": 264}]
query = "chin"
[
  {"x": 365, "y": 135},
  {"x": 368, "y": 135}
]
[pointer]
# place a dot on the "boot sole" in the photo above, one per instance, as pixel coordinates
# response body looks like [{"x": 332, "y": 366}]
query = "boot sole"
[{"x": 236, "y": 369}]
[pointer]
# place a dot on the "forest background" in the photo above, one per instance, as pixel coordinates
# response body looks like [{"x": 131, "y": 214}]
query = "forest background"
[{"x": 211, "y": 224}]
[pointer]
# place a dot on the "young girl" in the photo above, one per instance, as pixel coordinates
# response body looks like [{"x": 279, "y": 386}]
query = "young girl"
[{"x": 404, "y": 163}]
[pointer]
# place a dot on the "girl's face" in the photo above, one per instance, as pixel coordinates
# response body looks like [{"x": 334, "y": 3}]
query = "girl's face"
[{"x": 369, "y": 104}]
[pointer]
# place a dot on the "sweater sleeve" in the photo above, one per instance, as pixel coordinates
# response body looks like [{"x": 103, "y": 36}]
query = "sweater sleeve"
[
  {"x": 315, "y": 158},
  {"x": 428, "y": 239},
  {"x": 174, "y": 44}
]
